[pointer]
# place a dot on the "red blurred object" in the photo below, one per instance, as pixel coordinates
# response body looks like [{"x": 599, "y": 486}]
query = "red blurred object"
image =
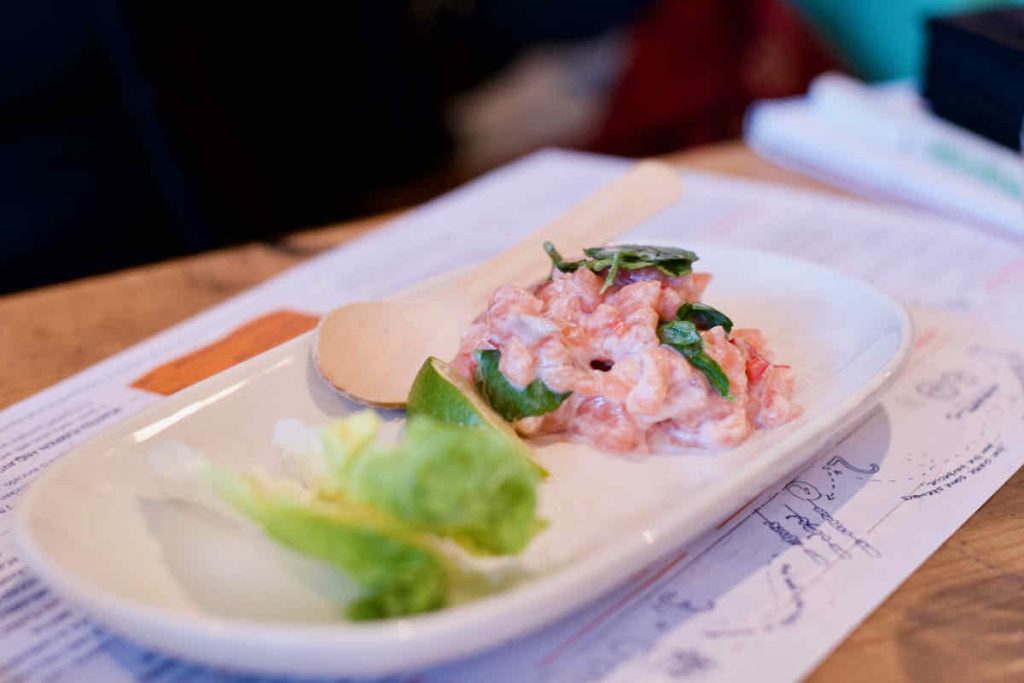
[{"x": 695, "y": 65}]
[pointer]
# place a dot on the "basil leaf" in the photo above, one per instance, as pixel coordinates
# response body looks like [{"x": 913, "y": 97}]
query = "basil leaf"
[
  {"x": 613, "y": 270},
  {"x": 558, "y": 262},
  {"x": 704, "y": 317},
  {"x": 675, "y": 268},
  {"x": 679, "y": 334},
  {"x": 508, "y": 400},
  {"x": 668, "y": 260},
  {"x": 712, "y": 371},
  {"x": 682, "y": 335},
  {"x": 642, "y": 252}
]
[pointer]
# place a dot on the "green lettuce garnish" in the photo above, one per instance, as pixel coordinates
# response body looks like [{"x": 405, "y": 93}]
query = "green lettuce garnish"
[
  {"x": 399, "y": 573},
  {"x": 469, "y": 484},
  {"x": 376, "y": 511}
]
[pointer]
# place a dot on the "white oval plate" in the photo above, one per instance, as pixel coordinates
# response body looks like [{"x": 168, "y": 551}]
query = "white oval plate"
[{"x": 179, "y": 577}]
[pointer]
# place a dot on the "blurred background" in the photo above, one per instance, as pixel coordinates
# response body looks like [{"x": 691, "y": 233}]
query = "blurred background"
[{"x": 135, "y": 131}]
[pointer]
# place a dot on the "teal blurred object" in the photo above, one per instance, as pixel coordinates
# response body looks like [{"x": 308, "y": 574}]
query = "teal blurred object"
[{"x": 883, "y": 39}]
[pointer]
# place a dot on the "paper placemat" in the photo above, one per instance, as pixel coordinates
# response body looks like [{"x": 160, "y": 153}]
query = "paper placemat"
[{"x": 770, "y": 593}]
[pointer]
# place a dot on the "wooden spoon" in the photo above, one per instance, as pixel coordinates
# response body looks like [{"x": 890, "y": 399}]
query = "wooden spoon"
[{"x": 371, "y": 350}]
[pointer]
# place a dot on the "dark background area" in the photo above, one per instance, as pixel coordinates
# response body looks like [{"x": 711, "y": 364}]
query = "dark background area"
[{"x": 135, "y": 131}]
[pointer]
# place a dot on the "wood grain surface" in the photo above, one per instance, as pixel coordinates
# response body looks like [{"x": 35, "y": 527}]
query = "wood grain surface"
[{"x": 960, "y": 617}]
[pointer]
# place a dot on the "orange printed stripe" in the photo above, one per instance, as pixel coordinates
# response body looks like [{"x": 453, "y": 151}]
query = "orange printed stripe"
[{"x": 251, "y": 339}]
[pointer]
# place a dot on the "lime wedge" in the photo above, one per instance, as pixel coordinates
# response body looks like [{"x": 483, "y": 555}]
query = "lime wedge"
[
  {"x": 442, "y": 393},
  {"x": 445, "y": 395}
]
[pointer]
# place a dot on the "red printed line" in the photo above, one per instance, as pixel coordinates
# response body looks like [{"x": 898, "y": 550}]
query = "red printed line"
[
  {"x": 738, "y": 511},
  {"x": 610, "y": 611},
  {"x": 1005, "y": 274},
  {"x": 925, "y": 338}
]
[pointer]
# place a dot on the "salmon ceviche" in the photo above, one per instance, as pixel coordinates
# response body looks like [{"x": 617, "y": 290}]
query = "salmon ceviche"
[{"x": 617, "y": 349}]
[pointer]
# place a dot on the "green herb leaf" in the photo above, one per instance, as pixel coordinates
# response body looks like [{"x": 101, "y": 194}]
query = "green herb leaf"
[
  {"x": 613, "y": 270},
  {"x": 560, "y": 263},
  {"x": 642, "y": 252},
  {"x": 712, "y": 371},
  {"x": 668, "y": 260},
  {"x": 511, "y": 402},
  {"x": 704, "y": 317},
  {"x": 682, "y": 335}
]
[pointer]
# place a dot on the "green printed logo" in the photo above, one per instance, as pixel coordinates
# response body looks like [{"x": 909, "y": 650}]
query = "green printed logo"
[{"x": 979, "y": 169}]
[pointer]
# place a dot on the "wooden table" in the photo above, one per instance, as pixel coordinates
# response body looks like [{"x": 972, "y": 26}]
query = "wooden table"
[{"x": 960, "y": 617}]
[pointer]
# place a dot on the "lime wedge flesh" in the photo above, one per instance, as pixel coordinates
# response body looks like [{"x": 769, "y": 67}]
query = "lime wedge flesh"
[{"x": 442, "y": 393}]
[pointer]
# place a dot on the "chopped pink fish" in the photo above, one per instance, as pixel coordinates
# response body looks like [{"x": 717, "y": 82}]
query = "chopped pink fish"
[{"x": 629, "y": 391}]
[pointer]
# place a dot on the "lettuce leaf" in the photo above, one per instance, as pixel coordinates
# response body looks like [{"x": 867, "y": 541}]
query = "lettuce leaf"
[
  {"x": 399, "y": 574},
  {"x": 373, "y": 510},
  {"x": 471, "y": 485},
  {"x": 396, "y": 570}
]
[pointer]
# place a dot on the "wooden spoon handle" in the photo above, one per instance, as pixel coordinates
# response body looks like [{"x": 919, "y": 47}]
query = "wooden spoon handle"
[
  {"x": 371, "y": 351},
  {"x": 631, "y": 199}
]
